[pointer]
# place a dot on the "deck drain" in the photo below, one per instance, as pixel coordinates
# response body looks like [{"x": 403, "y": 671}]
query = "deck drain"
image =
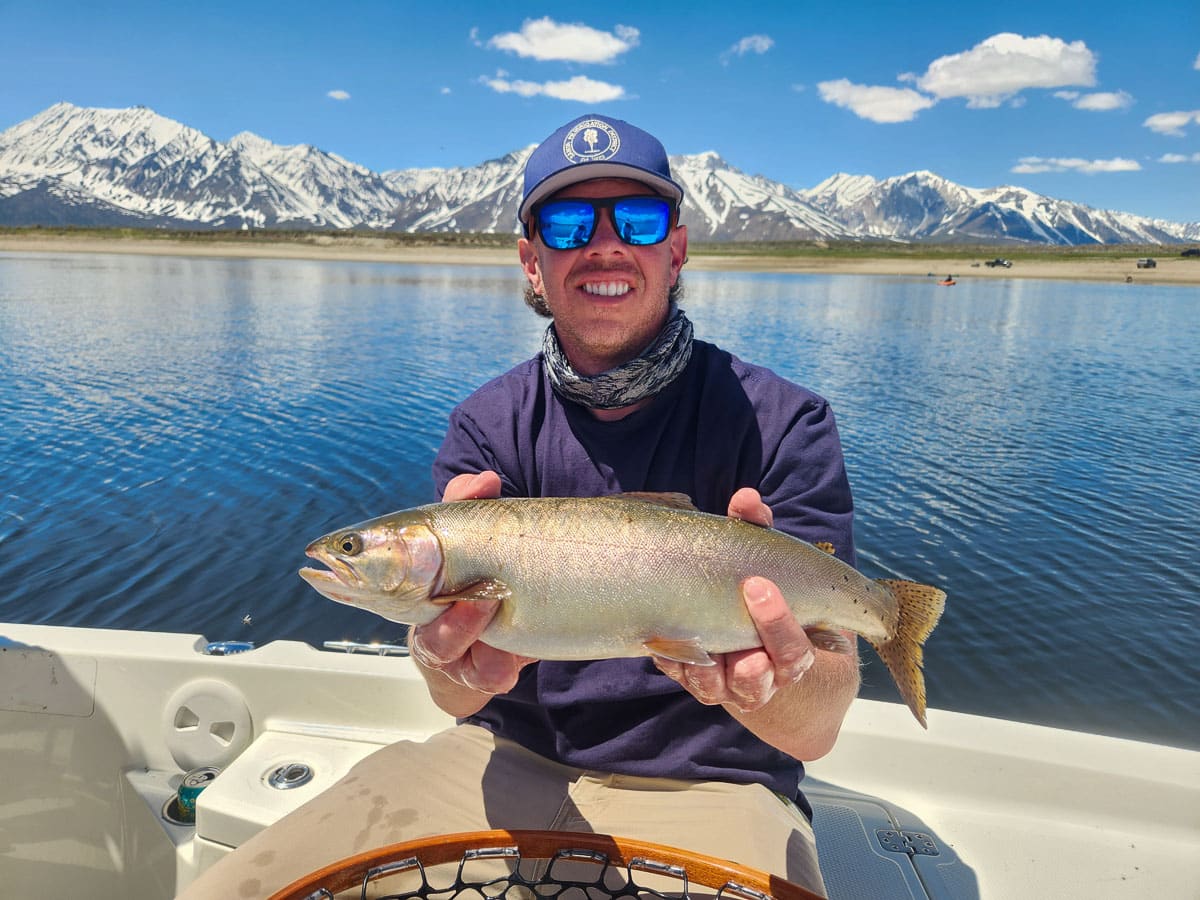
[{"x": 289, "y": 775}]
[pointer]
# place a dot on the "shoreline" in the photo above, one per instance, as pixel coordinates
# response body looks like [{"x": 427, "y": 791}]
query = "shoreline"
[{"x": 1172, "y": 269}]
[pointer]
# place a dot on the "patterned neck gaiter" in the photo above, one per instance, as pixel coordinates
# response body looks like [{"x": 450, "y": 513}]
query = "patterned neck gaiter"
[{"x": 657, "y": 366}]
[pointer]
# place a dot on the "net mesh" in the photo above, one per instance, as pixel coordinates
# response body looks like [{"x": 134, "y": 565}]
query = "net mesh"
[{"x": 537, "y": 866}]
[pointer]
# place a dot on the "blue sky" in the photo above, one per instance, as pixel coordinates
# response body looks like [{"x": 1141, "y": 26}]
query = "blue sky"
[{"x": 1094, "y": 102}]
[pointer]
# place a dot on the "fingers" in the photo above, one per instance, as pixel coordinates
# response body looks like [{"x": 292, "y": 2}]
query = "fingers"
[
  {"x": 784, "y": 641},
  {"x": 478, "y": 486},
  {"x": 450, "y": 645},
  {"x": 747, "y": 504},
  {"x": 451, "y": 634},
  {"x": 749, "y": 679},
  {"x": 705, "y": 683}
]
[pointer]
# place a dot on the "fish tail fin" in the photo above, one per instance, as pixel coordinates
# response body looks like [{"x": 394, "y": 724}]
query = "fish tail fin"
[{"x": 920, "y": 607}]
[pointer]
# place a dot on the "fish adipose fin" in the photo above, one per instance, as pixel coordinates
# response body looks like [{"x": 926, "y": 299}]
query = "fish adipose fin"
[
  {"x": 489, "y": 589},
  {"x": 686, "y": 651},
  {"x": 826, "y": 547},
  {"x": 920, "y": 608}
]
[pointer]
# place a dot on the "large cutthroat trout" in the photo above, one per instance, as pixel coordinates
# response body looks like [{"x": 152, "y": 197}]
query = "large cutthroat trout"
[{"x": 626, "y": 575}]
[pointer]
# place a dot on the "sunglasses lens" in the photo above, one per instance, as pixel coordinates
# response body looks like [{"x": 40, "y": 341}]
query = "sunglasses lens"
[
  {"x": 642, "y": 220},
  {"x": 570, "y": 224},
  {"x": 566, "y": 224}
]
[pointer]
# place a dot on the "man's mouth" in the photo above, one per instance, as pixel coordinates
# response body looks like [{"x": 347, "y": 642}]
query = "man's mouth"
[{"x": 606, "y": 288}]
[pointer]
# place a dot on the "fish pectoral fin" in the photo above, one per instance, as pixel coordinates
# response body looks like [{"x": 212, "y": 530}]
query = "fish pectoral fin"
[
  {"x": 687, "y": 651},
  {"x": 488, "y": 589},
  {"x": 826, "y": 637},
  {"x": 659, "y": 498}
]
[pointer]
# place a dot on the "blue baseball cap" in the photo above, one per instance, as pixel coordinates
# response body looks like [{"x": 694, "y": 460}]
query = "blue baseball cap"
[{"x": 595, "y": 146}]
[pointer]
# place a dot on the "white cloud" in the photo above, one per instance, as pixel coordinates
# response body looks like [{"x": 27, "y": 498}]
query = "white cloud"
[
  {"x": 877, "y": 103},
  {"x": 579, "y": 88},
  {"x": 544, "y": 39},
  {"x": 1179, "y": 158},
  {"x": 1101, "y": 101},
  {"x": 1196, "y": 64},
  {"x": 1032, "y": 165},
  {"x": 752, "y": 43},
  {"x": 444, "y": 91},
  {"x": 992, "y": 72},
  {"x": 1172, "y": 123},
  {"x": 338, "y": 95},
  {"x": 1005, "y": 64}
]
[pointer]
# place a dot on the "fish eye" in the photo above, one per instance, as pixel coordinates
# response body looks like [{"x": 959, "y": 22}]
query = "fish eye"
[{"x": 350, "y": 544}]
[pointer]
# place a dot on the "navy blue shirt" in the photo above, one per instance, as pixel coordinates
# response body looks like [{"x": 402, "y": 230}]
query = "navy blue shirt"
[{"x": 722, "y": 425}]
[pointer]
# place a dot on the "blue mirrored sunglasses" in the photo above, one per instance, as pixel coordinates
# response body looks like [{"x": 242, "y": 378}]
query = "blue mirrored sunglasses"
[{"x": 639, "y": 221}]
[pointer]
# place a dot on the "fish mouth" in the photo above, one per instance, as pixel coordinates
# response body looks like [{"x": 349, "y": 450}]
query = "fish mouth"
[
  {"x": 334, "y": 585},
  {"x": 340, "y": 576}
]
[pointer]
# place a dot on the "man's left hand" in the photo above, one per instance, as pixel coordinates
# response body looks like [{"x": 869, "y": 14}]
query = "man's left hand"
[{"x": 748, "y": 679}]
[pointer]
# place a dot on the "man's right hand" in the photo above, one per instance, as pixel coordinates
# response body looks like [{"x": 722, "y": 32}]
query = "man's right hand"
[{"x": 462, "y": 672}]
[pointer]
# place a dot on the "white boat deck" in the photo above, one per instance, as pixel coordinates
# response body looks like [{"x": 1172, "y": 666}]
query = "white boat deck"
[{"x": 97, "y": 728}]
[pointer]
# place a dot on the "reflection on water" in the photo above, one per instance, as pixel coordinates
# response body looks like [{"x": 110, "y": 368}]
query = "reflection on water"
[{"x": 176, "y": 430}]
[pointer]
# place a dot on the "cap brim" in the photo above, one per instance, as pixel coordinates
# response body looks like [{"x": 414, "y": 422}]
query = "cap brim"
[{"x": 591, "y": 170}]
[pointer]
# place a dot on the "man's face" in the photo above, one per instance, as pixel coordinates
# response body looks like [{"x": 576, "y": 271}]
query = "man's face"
[{"x": 608, "y": 298}]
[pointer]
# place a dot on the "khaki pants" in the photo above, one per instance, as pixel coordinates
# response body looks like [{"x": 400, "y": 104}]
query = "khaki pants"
[{"x": 465, "y": 779}]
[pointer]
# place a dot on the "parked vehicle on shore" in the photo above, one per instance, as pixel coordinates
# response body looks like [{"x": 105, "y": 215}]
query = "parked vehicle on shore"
[
  {"x": 998, "y": 261},
  {"x": 1146, "y": 263}
]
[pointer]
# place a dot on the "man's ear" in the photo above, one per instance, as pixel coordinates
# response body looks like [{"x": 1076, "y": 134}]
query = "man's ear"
[
  {"x": 678, "y": 251},
  {"x": 530, "y": 264}
]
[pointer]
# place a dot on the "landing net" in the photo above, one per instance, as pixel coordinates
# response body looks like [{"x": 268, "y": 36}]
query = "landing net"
[{"x": 537, "y": 865}]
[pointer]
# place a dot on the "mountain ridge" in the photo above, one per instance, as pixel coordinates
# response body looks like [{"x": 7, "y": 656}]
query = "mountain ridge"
[{"x": 71, "y": 165}]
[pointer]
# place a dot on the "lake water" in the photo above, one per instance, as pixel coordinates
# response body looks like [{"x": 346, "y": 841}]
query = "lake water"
[{"x": 175, "y": 430}]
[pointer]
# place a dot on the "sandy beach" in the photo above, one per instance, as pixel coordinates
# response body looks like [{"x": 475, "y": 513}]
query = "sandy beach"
[{"x": 1117, "y": 267}]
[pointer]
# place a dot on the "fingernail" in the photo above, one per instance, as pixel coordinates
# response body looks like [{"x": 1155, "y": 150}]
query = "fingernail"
[{"x": 754, "y": 590}]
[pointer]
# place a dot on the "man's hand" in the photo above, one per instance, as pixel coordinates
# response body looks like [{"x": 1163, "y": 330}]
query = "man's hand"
[
  {"x": 450, "y": 645},
  {"x": 748, "y": 679}
]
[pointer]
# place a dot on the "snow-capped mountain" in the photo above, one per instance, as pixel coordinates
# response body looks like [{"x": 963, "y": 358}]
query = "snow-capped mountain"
[
  {"x": 76, "y": 166},
  {"x": 721, "y": 203},
  {"x": 133, "y": 166},
  {"x": 481, "y": 198},
  {"x": 924, "y": 206}
]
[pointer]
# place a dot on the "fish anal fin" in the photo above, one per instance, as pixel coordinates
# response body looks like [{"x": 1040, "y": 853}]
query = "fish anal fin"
[
  {"x": 825, "y": 547},
  {"x": 486, "y": 590},
  {"x": 826, "y": 637},
  {"x": 671, "y": 500},
  {"x": 920, "y": 606},
  {"x": 686, "y": 651}
]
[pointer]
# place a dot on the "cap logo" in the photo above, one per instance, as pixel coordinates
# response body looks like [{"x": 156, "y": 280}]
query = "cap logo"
[{"x": 592, "y": 140}]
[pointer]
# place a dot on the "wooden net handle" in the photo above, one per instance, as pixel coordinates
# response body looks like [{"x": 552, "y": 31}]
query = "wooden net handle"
[{"x": 705, "y": 871}]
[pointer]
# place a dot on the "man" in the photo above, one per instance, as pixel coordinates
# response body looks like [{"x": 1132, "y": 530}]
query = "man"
[{"x": 622, "y": 398}]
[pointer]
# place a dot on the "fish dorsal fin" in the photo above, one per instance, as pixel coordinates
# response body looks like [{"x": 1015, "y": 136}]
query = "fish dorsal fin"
[
  {"x": 687, "y": 650},
  {"x": 488, "y": 589},
  {"x": 669, "y": 499},
  {"x": 825, "y": 547}
]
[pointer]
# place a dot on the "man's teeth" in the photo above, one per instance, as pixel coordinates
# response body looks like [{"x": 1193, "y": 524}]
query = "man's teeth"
[{"x": 607, "y": 288}]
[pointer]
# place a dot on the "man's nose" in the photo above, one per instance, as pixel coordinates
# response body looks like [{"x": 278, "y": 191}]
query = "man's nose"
[{"x": 605, "y": 239}]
